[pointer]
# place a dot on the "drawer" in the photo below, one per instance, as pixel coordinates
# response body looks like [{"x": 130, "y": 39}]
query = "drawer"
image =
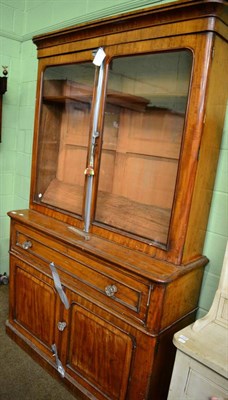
[{"x": 86, "y": 273}]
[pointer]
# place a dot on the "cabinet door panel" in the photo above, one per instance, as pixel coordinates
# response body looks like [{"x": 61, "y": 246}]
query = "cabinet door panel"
[
  {"x": 100, "y": 352},
  {"x": 138, "y": 170},
  {"x": 34, "y": 306},
  {"x": 65, "y": 115}
]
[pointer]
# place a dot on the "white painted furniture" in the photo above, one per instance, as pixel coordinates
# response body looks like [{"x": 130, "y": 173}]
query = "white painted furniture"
[{"x": 201, "y": 365}]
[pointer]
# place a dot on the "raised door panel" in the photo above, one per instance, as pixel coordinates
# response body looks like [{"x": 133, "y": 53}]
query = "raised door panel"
[
  {"x": 99, "y": 354},
  {"x": 34, "y": 306}
]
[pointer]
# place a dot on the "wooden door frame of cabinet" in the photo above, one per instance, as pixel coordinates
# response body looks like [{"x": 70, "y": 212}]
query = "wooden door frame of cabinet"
[{"x": 175, "y": 251}]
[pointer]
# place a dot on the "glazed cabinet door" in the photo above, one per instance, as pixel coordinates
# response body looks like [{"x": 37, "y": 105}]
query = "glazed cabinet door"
[
  {"x": 33, "y": 306},
  {"x": 125, "y": 172},
  {"x": 99, "y": 354},
  {"x": 137, "y": 146}
]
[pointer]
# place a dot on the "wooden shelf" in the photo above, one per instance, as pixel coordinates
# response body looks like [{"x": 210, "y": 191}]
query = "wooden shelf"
[
  {"x": 62, "y": 91},
  {"x": 116, "y": 211}
]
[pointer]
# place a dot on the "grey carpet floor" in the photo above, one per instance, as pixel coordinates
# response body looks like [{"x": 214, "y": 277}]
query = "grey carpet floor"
[{"x": 21, "y": 378}]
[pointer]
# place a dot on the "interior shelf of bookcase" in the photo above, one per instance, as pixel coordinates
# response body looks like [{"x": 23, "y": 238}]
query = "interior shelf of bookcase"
[
  {"x": 126, "y": 101},
  {"x": 112, "y": 209}
]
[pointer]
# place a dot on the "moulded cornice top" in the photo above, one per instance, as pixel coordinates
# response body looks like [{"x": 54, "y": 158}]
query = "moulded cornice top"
[{"x": 151, "y": 16}]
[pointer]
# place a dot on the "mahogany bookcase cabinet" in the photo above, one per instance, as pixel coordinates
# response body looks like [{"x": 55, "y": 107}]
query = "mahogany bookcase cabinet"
[{"x": 106, "y": 264}]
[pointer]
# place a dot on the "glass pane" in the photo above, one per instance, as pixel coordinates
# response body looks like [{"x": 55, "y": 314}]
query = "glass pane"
[
  {"x": 143, "y": 128},
  {"x": 64, "y": 135}
]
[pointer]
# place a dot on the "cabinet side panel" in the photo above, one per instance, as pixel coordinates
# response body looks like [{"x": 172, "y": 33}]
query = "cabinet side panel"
[
  {"x": 209, "y": 150},
  {"x": 164, "y": 360},
  {"x": 185, "y": 291}
]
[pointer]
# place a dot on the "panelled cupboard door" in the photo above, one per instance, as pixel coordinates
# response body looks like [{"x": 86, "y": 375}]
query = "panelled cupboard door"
[
  {"x": 99, "y": 354},
  {"x": 33, "y": 305}
]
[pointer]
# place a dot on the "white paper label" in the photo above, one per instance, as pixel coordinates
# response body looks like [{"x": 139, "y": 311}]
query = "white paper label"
[
  {"x": 99, "y": 57},
  {"x": 182, "y": 339}
]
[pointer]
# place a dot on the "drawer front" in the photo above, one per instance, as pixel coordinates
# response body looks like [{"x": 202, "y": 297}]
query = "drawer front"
[{"x": 86, "y": 273}]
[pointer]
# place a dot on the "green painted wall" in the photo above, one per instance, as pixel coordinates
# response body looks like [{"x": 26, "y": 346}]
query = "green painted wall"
[{"x": 19, "y": 21}]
